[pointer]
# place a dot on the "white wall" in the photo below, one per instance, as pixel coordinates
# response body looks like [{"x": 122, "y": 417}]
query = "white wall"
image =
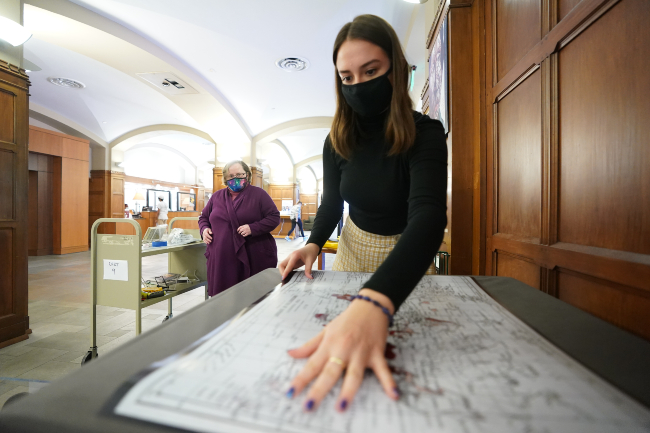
[
  {"x": 160, "y": 164},
  {"x": 308, "y": 183}
]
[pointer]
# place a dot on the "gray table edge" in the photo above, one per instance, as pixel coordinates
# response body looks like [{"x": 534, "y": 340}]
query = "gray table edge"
[{"x": 76, "y": 402}]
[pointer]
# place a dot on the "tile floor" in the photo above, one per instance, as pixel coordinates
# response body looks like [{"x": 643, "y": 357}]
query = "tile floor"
[{"x": 59, "y": 316}]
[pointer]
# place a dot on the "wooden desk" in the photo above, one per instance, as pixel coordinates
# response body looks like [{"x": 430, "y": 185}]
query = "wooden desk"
[{"x": 283, "y": 228}]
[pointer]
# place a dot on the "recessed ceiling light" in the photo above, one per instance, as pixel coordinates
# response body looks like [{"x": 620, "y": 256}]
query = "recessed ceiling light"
[
  {"x": 66, "y": 82},
  {"x": 104, "y": 122},
  {"x": 292, "y": 64},
  {"x": 415, "y": 1}
]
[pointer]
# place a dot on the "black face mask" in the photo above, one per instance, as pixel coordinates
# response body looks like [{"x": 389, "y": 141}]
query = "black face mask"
[{"x": 369, "y": 98}]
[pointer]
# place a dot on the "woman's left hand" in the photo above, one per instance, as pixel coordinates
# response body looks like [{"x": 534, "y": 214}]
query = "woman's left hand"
[
  {"x": 356, "y": 339},
  {"x": 244, "y": 230}
]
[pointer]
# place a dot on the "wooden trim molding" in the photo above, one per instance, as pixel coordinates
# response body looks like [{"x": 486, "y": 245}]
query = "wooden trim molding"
[
  {"x": 58, "y": 134},
  {"x": 630, "y": 269}
]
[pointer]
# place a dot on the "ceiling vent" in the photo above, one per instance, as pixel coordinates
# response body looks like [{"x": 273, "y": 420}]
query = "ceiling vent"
[
  {"x": 66, "y": 82},
  {"x": 292, "y": 64},
  {"x": 168, "y": 83}
]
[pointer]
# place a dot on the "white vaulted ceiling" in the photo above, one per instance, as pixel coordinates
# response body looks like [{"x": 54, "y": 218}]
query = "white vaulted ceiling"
[{"x": 225, "y": 49}]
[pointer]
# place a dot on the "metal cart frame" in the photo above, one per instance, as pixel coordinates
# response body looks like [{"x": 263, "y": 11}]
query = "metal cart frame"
[{"x": 127, "y": 294}]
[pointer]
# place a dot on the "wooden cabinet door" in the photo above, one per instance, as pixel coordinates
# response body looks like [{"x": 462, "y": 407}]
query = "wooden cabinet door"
[{"x": 14, "y": 176}]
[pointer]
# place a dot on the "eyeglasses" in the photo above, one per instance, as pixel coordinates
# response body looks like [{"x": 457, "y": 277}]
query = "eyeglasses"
[{"x": 236, "y": 176}]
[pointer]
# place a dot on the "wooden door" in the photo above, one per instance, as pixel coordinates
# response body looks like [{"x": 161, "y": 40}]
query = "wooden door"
[
  {"x": 14, "y": 321},
  {"x": 568, "y": 201},
  {"x": 309, "y": 205}
]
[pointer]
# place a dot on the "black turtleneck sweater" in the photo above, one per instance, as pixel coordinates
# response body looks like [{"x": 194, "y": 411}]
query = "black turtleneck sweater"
[{"x": 389, "y": 195}]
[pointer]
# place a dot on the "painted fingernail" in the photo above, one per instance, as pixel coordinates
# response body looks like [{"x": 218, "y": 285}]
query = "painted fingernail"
[
  {"x": 291, "y": 391},
  {"x": 310, "y": 404},
  {"x": 396, "y": 392},
  {"x": 344, "y": 404}
]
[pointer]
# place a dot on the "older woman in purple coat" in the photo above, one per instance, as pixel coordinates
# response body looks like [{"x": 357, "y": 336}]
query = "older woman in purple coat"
[{"x": 236, "y": 225}]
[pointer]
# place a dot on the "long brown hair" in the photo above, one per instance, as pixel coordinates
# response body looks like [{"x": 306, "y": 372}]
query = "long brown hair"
[{"x": 400, "y": 126}]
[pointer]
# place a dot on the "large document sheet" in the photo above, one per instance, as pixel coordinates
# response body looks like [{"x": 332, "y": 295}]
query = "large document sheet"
[{"x": 462, "y": 362}]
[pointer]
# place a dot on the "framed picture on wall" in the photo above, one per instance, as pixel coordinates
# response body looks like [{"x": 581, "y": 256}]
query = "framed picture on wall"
[
  {"x": 439, "y": 77},
  {"x": 186, "y": 201},
  {"x": 152, "y": 198}
]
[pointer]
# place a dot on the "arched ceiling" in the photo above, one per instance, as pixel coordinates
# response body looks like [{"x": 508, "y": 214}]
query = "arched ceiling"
[{"x": 224, "y": 49}]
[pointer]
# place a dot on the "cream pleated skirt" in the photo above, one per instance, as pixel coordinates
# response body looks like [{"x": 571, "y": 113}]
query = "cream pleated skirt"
[{"x": 361, "y": 251}]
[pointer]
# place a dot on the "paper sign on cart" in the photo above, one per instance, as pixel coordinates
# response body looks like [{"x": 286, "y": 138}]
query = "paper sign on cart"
[{"x": 116, "y": 270}]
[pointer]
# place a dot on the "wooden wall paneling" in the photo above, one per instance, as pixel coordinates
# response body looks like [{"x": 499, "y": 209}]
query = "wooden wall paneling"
[
  {"x": 479, "y": 194},
  {"x": 490, "y": 136},
  {"x": 518, "y": 153},
  {"x": 75, "y": 149},
  {"x": 6, "y": 275},
  {"x": 217, "y": 179},
  {"x": 116, "y": 198},
  {"x": 565, "y": 6},
  {"x": 45, "y": 189},
  {"x": 200, "y": 199},
  {"x": 257, "y": 178},
  {"x": 40, "y": 204},
  {"x": 32, "y": 231},
  {"x": 45, "y": 141},
  {"x": 462, "y": 138},
  {"x": 14, "y": 193},
  {"x": 550, "y": 150},
  {"x": 283, "y": 192},
  {"x": 604, "y": 186},
  {"x": 618, "y": 304},
  {"x": 7, "y": 111},
  {"x": 518, "y": 267},
  {"x": 576, "y": 21},
  {"x": 99, "y": 201},
  {"x": 309, "y": 205},
  {"x": 74, "y": 206},
  {"x": 519, "y": 26},
  {"x": 57, "y": 177},
  {"x": 7, "y": 184}
]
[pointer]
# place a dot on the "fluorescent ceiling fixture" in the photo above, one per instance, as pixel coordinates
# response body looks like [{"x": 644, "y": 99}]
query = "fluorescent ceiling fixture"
[
  {"x": 13, "y": 32},
  {"x": 415, "y": 1}
]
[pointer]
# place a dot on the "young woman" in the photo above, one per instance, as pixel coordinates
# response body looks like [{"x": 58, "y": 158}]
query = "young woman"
[
  {"x": 390, "y": 164},
  {"x": 236, "y": 224}
]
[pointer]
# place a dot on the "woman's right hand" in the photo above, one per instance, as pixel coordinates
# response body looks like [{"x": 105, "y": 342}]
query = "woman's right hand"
[
  {"x": 207, "y": 235},
  {"x": 306, "y": 255}
]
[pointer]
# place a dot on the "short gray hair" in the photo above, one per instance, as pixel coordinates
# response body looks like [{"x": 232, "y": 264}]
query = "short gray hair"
[{"x": 249, "y": 173}]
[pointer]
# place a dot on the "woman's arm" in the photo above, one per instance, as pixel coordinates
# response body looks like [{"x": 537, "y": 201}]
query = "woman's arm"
[
  {"x": 270, "y": 213},
  {"x": 357, "y": 337},
  {"x": 427, "y": 218},
  {"x": 204, "y": 218},
  {"x": 331, "y": 208}
]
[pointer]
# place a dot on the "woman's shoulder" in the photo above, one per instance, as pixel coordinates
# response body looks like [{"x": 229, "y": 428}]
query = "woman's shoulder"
[
  {"x": 256, "y": 190},
  {"x": 424, "y": 123}
]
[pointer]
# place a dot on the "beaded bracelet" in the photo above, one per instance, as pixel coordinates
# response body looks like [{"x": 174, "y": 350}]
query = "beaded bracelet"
[{"x": 384, "y": 309}]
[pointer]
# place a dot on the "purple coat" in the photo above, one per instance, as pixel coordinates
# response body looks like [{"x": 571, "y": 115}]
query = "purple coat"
[{"x": 231, "y": 257}]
